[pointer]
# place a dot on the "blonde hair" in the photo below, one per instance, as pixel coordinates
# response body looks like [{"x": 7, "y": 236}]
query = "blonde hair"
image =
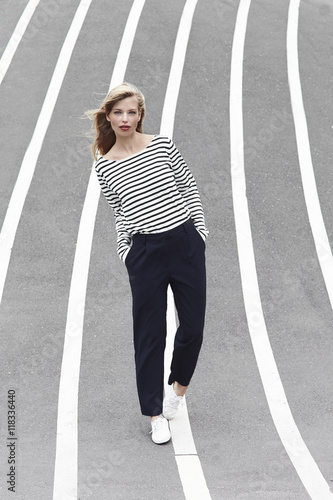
[{"x": 105, "y": 137}]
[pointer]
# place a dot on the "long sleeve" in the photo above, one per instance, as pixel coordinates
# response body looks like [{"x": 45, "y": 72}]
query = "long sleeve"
[
  {"x": 124, "y": 239},
  {"x": 188, "y": 189}
]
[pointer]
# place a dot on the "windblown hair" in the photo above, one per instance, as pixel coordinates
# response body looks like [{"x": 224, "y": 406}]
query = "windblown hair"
[{"x": 105, "y": 137}]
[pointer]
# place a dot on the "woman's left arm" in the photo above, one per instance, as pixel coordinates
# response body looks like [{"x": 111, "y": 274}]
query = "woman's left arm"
[{"x": 188, "y": 189}]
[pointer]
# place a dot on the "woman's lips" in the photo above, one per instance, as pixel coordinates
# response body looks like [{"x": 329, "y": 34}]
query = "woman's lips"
[{"x": 124, "y": 128}]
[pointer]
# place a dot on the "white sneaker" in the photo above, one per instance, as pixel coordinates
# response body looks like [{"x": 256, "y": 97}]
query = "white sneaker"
[
  {"x": 160, "y": 430},
  {"x": 171, "y": 403}
]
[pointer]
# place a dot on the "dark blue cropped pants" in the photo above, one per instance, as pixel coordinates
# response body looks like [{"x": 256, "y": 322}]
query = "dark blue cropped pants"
[{"x": 176, "y": 258}]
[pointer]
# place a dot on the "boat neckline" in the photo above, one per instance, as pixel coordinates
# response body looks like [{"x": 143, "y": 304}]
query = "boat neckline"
[{"x": 134, "y": 154}]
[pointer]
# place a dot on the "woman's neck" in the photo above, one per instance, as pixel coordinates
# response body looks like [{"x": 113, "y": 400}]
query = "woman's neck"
[{"x": 128, "y": 145}]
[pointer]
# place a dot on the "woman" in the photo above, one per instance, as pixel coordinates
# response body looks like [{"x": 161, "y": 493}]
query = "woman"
[{"x": 161, "y": 231}]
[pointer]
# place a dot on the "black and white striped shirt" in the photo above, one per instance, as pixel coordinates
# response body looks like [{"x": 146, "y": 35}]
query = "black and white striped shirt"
[{"x": 150, "y": 192}]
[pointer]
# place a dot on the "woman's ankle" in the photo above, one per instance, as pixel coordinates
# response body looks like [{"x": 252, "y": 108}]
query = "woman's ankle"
[
  {"x": 155, "y": 417},
  {"x": 179, "y": 389}
]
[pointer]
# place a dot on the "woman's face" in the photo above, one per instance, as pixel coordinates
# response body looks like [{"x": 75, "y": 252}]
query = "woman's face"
[{"x": 124, "y": 116}]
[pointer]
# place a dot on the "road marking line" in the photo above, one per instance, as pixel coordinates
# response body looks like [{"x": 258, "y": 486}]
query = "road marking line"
[
  {"x": 192, "y": 477},
  {"x": 180, "y": 427},
  {"x": 304, "y": 152},
  {"x": 189, "y": 466},
  {"x": 291, "y": 438},
  {"x": 176, "y": 70},
  {"x": 65, "y": 471},
  {"x": 187, "y": 460},
  {"x": 22, "y": 185},
  {"x": 66, "y": 463},
  {"x": 16, "y": 37}
]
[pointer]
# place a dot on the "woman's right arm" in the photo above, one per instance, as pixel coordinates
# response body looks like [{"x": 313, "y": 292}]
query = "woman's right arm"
[{"x": 124, "y": 239}]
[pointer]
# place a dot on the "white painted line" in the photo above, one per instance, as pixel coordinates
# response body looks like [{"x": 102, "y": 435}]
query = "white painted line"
[
  {"x": 291, "y": 438},
  {"x": 65, "y": 475},
  {"x": 66, "y": 463},
  {"x": 182, "y": 438},
  {"x": 29, "y": 162},
  {"x": 16, "y": 37},
  {"x": 176, "y": 71},
  {"x": 189, "y": 466},
  {"x": 304, "y": 152}
]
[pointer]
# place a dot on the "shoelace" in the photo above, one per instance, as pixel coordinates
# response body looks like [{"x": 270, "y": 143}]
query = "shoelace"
[
  {"x": 157, "y": 425},
  {"x": 173, "y": 401}
]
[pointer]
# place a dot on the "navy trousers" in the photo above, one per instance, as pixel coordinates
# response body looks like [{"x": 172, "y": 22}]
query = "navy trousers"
[{"x": 176, "y": 258}]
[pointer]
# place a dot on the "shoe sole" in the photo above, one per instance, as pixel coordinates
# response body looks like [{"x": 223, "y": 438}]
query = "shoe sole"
[
  {"x": 161, "y": 442},
  {"x": 168, "y": 418}
]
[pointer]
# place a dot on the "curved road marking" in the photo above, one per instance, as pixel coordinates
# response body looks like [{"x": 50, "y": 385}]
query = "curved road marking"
[
  {"x": 16, "y": 37},
  {"x": 188, "y": 462},
  {"x": 291, "y": 438},
  {"x": 22, "y": 185},
  {"x": 304, "y": 153},
  {"x": 65, "y": 478}
]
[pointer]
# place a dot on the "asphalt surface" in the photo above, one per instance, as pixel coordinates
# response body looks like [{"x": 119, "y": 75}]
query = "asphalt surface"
[{"x": 241, "y": 454}]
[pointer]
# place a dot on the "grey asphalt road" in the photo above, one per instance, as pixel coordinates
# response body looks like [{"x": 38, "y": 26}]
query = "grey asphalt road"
[{"x": 241, "y": 454}]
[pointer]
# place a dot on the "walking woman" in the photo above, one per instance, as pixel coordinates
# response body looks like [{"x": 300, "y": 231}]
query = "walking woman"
[{"x": 161, "y": 236}]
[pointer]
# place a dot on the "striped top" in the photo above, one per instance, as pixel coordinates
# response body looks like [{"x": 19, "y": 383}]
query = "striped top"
[{"x": 150, "y": 192}]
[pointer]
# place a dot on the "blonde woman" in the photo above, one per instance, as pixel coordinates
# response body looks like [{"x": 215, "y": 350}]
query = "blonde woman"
[{"x": 161, "y": 236}]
